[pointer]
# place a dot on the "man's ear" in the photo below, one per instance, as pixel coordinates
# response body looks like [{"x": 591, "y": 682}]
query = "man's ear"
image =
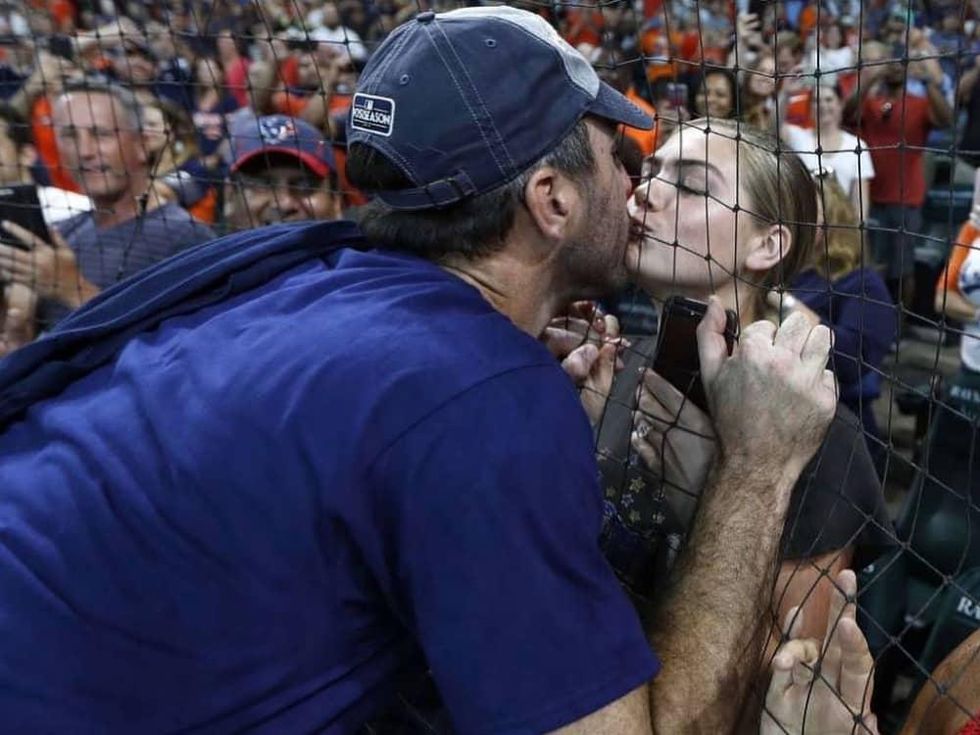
[
  {"x": 551, "y": 199},
  {"x": 769, "y": 247}
]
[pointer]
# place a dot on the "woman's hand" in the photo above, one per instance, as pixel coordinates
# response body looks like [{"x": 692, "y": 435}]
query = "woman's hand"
[
  {"x": 588, "y": 344},
  {"x": 824, "y": 692},
  {"x": 674, "y": 438}
]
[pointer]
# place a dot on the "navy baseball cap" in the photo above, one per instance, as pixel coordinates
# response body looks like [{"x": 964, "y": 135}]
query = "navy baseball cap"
[
  {"x": 252, "y": 137},
  {"x": 463, "y": 102}
]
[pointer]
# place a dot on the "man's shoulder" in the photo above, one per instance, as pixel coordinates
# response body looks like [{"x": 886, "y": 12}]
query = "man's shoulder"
[{"x": 175, "y": 224}]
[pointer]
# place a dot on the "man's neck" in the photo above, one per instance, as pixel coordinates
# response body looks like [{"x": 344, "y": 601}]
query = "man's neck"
[
  {"x": 527, "y": 295},
  {"x": 109, "y": 213}
]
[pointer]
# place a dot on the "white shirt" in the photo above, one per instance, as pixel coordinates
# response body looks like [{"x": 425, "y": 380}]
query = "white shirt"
[
  {"x": 848, "y": 166},
  {"x": 344, "y": 39},
  {"x": 60, "y": 204},
  {"x": 969, "y": 287},
  {"x": 832, "y": 60}
]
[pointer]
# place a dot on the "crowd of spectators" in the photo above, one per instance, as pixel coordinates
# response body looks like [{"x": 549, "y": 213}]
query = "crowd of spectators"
[{"x": 148, "y": 128}]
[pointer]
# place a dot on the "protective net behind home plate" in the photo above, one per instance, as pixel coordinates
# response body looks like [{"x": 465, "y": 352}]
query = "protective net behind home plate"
[{"x": 810, "y": 158}]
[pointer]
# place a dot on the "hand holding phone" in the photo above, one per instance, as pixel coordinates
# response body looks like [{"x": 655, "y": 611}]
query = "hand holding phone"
[
  {"x": 19, "y": 204},
  {"x": 677, "y": 359}
]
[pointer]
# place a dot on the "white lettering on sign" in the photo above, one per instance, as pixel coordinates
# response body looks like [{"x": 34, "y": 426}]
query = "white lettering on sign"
[{"x": 968, "y": 607}]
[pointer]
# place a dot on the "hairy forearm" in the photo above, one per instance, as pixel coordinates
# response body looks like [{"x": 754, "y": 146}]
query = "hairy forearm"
[{"x": 711, "y": 629}]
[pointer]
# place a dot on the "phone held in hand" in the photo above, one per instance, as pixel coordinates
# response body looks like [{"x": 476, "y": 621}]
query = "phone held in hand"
[
  {"x": 677, "y": 359},
  {"x": 19, "y": 204}
]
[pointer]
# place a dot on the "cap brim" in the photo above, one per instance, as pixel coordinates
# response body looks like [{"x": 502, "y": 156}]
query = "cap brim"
[
  {"x": 316, "y": 165},
  {"x": 611, "y": 105}
]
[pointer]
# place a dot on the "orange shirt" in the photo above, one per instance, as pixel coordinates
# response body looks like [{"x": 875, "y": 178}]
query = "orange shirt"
[
  {"x": 949, "y": 277},
  {"x": 645, "y": 139},
  {"x": 47, "y": 146},
  {"x": 584, "y": 25}
]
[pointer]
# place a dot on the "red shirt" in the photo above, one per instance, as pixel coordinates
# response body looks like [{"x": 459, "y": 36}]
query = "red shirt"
[
  {"x": 972, "y": 727},
  {"x": 885, "y": 125}
]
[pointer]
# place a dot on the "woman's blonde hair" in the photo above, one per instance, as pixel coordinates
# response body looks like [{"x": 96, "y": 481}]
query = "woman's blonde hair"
[
  {"x": 840, "y": 247},
  {"x": 781, "y": 191}
]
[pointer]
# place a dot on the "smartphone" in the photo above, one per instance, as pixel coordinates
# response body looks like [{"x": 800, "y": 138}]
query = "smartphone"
[
  {"x": 677, "y": 359},
  {"x": 19, "y": 204},
  {"x": 677, "y": 94}
]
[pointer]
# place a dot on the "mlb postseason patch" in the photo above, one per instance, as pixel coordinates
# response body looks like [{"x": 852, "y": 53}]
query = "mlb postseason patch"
[{"x": 371, "y": 114}]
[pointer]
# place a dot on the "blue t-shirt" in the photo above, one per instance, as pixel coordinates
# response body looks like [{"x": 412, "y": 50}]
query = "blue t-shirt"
[{"x": 263, "y": 514}]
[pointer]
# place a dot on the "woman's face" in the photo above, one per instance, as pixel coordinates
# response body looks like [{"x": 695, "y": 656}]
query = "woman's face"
[
  {"x": 715, "y": 99},
  {"x": 154, "y": 129},
  {"x": 827, "y": 108},
  {"x": 685, "y": 242},
  {"x": 830, "y": 37},
  {"x": 762, "y": 81}
]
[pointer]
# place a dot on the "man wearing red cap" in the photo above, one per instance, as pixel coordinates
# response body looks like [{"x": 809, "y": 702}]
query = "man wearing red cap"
[{"x": 282, "y": 171}]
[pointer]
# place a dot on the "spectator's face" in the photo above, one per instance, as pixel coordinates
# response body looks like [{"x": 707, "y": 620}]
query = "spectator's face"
[
  {"x": 286, "y": 192},
  {"x": 830, "y": 36},
  {"x": 785, "y": 59},
  {"x": 762, "y": 82},
  {"x": 827, "y": 106},
  {"x": 155, "y": 130},
  {"x": 331, "y": 17},
  {"x": 307, "y": 75},
  {"x": 99, "y": 144},
  {"x": 134, "y": 67},
  {"x": 677, "y": 228},
  {"x": 9, "y": 170},
  {"x": 715, "y": 98}
]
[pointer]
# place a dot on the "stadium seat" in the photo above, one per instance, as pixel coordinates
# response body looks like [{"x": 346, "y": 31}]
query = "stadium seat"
[{"x": 957, "y": 617}]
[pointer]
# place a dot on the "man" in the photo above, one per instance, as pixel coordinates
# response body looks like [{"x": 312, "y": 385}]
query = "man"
[
  {"x": 307, "y": 473},
  {"x": 895, "y": 123},
  {"x": 328, "y": 30},
  {"x": 282, "y": 170},
  {"x": 100, "y": 140}
]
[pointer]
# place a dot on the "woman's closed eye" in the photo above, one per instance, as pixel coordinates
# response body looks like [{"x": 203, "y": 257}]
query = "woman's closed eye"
[{"x": 692, "y": 185}]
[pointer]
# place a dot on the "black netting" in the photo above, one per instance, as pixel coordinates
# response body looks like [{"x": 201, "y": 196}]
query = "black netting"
[{"x": 130, "y": 131}]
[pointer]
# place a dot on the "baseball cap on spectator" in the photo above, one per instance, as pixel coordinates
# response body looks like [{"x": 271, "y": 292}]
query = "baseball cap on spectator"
[
  {"x": 139, "y": 45},
  {"x": 465, "y": 101},
  {"x": 252, "y": 138}
]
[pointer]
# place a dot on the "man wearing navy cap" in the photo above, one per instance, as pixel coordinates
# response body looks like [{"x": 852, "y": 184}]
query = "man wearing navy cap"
[
  {"x": 262, "y": 486},
  {"x": 282, "y": 170}
]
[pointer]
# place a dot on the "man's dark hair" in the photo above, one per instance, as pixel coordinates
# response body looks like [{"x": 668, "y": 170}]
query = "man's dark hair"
[
  {"x": 18, "y": 127},
  {"x": 474, "y": 227}
]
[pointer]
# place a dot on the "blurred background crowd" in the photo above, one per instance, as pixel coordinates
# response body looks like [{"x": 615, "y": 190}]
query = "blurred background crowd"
[{"x": 132, "y": 130}]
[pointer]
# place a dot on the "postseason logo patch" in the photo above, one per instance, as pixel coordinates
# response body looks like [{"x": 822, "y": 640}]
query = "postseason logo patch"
[{"x": 372, "y": 114}]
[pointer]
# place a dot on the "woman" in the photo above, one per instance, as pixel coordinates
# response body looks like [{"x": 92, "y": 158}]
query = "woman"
[
  {"x": 694, "y": 242},
  {"x": 213, "y": 102},
  {"x": 831, "y": 53},
  {"x": 715, "y": 94},
  {"x": 838, "y": 149},
  {"x": 836, "y": 289},
  {"x": 177, "y": 173},
  {"x": 758, "y": 93}
]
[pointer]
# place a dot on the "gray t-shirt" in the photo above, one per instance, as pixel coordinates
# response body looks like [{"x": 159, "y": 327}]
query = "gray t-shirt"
[{"x": 107, "y": 256}]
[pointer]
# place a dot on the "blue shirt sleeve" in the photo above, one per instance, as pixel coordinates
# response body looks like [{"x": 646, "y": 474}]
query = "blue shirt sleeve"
[{"x": 489, "y": 513}]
